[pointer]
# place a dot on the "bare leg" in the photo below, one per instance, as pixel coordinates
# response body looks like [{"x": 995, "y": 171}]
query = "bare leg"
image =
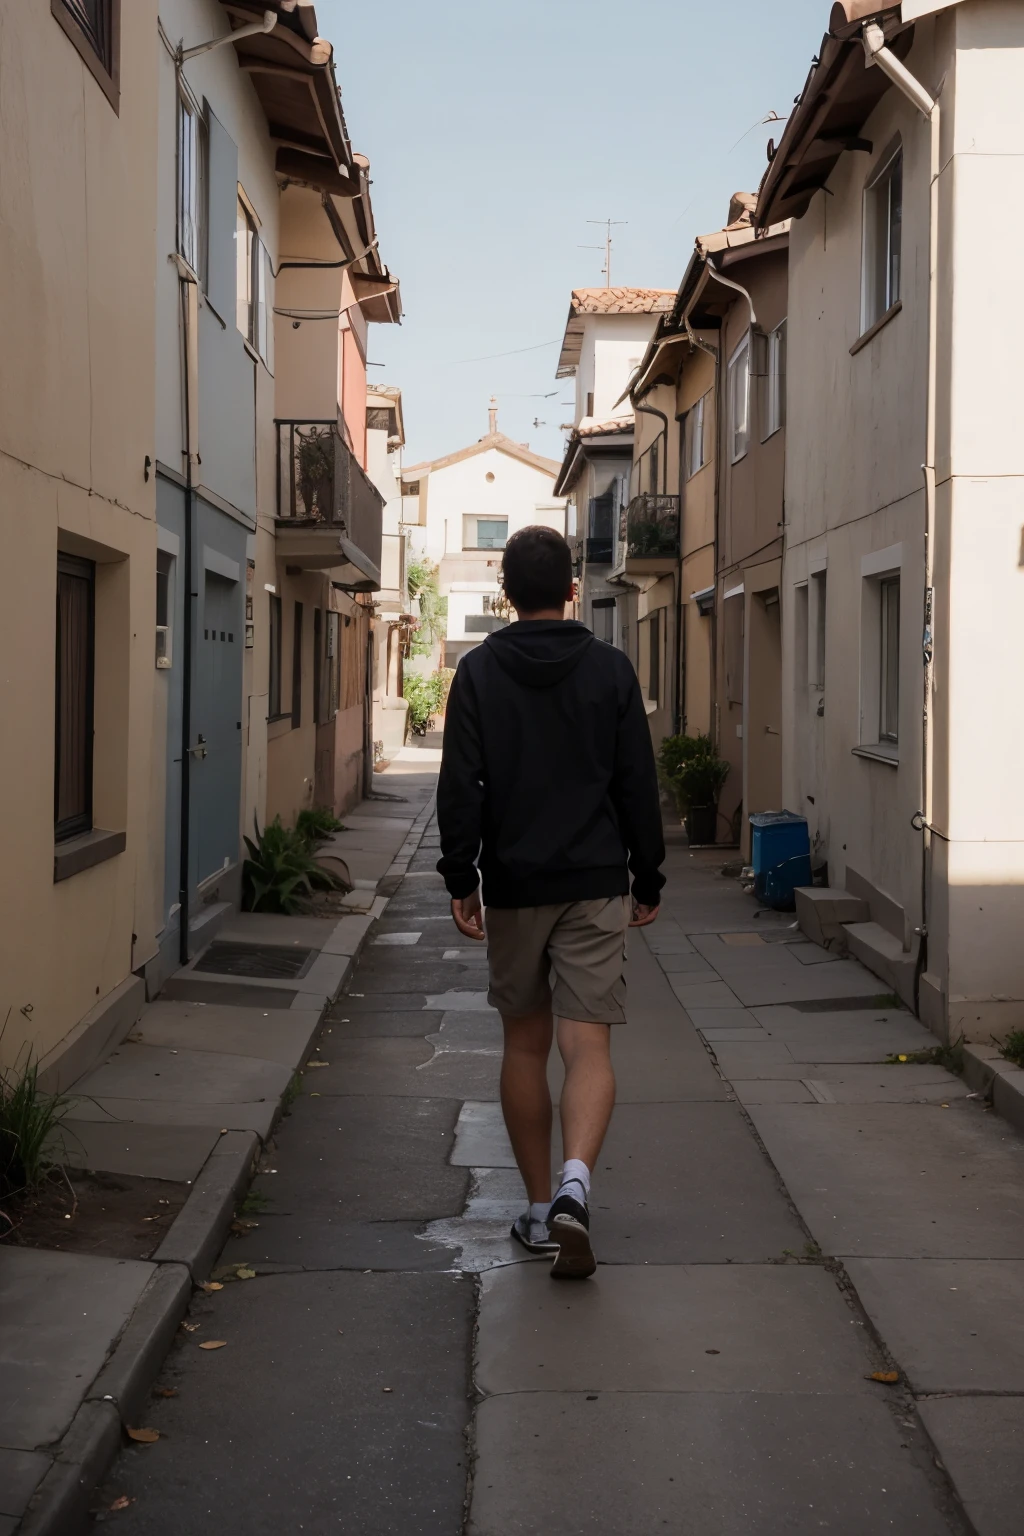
[
  {"x": 588, "y": 1096},
  {"x": 526, "y": 1099}
]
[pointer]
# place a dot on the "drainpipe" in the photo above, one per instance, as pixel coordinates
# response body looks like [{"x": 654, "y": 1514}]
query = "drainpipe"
[
  {"x": 879, "y": 54},
  {"x": 184, "y": 830}
]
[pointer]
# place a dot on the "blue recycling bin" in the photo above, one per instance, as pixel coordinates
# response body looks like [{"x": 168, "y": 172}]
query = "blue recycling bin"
[{"x": 781, "y": 857}]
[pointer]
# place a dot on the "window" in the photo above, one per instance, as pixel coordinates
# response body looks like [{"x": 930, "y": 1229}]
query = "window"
[
  {"x": 297, "y": 666},
  {"x": 484, "y": 532},
  {"x": 254, "y": 281},
  {"x": 602, "y": 619},
  {"x": 883, "y": 241},
  {"x": 889, "y": 676},
  {"x": 94, "y": 27},
  {"x": 274, "y": 686},
  {"x": 650, "y": 656},
  {"x": 693, "y": 436},
  {"x": 733, "y": 612},
  {"x": 738, "y": 385},
  {"x": 326, "y": 665},
  {"x": 816, "y": 641},
  {"x": 774, "y": 385},
  {"x": 164, "y": 606},
  {"x": 384, "y": 418},
  {"x": 72, "y": 778},
  {"x": 192, "y": 181}
]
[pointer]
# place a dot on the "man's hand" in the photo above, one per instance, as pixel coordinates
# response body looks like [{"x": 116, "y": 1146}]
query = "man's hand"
[
  {"x": 468, "y": 916},
  {"x": 641, "y": 915}
]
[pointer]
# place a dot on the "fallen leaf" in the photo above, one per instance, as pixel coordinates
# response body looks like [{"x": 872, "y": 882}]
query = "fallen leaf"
[
  {"x": 213, "y": 1344},
  {"x": 387, "y": 1389},
  {"x": 245, "y": 1274},
  {"x": 165, "y": 1391},
  {"x": 213, "y": 1285},
  {"x": 317, "y": 1063},
  {"x": 888, "y": 1378},
  {"x": 191, "y": 1327},
  {"x": 143, "y": 1436},
  {"x": 121, "y": 1503}
]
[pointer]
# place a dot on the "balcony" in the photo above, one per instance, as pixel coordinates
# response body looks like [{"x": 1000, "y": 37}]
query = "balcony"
[
  {"x": 329, "y": 513},
  {"x": 647, "y": 542}
]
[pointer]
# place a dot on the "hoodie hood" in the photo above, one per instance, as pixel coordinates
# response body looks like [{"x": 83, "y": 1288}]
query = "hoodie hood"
[{"x": 540, "y": 652}]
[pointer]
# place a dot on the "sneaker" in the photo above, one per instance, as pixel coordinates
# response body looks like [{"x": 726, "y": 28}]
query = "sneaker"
[
  {"x": 569, "y": 1226},
  {"x": 533, "y": 1235}
]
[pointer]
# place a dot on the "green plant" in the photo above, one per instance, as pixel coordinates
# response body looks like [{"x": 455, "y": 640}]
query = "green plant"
[
  {"x": 699, "y": 781},
  {"x": 314, "y": 463},
  {"x": 675, "y": 751},
  {"x": 29, "y": 1118},
  {"x": 317, "y": 825},
  {"x": 425, "y": 590},
  {"x": 281, "y": 873},
  {"x": 426, "y": 696},
  {"x": 1012, "y": 1047},
  {"x": 949, "y": 1056}
]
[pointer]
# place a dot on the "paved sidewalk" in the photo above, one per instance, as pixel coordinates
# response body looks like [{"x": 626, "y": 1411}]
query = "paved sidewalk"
[
  {"x": 779, "y": 1214},
  {"x": 189, "y": 1098}
]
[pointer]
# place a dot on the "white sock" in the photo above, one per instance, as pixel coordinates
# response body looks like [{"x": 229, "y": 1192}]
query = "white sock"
[
  {"x": 575, "y": 1172},
  {"x": 539, "y": 1210}
]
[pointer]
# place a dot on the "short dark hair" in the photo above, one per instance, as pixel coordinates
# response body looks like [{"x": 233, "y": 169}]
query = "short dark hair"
[{"x": 537, "y": 569}]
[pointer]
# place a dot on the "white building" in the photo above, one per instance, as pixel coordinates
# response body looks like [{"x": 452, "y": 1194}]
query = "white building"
[
  {"x": 385, "y": 439},
  {"x": 466, "y": 506}
]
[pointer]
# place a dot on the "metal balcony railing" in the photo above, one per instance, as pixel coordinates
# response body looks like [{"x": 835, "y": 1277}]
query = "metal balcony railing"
[
  {"x": 649, "y": 528},
  {"x": 319, "y": 481}
]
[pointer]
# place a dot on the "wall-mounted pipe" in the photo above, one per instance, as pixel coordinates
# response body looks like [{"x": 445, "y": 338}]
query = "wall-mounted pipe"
[
  {"x": 879, "y": 55},
  {"x": 268, "y": 24}
]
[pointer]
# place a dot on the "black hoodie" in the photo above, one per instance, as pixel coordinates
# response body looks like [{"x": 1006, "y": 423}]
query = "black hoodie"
[{"x": 548, "y": 778}]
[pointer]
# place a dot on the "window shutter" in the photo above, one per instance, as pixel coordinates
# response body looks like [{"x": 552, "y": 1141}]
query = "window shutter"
[{"x": 223, "y": 195}]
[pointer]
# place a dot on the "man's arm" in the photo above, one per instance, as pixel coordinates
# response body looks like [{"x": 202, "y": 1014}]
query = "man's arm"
[
  {"x": 460, "y": 791},
  {"x": 637, "y": 801}
]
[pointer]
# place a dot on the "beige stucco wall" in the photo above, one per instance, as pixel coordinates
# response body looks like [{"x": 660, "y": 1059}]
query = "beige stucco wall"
[{"x": 76, "y": 422}]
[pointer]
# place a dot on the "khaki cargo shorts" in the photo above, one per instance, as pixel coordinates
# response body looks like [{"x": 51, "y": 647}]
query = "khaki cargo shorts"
[{"x": 571, "y": 955}]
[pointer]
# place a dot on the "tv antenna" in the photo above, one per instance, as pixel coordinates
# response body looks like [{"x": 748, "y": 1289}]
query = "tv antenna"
[{"x": 609, "y": 225}]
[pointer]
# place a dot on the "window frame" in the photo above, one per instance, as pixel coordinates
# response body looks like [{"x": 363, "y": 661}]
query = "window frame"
[
  {"x": 297, "y": 634},
  {"x": 104, "y": 67},
  {"x": 875, "y": 307},
  {"x": 81, "y": 821},
  {"x": 773, "y": 412},
  {"x": 818, "y": 624},
  {"x": 165, "y": 573},
  {"x": 739, "y": 441},
  {"x": 193, "y": 246},
  {"x": 256, "y": 296},
  {"x": 276, "y": 621},
  {"x": 889, "y": 661},
  {"x": 476, "y": 519},
  {"x": 694, "y": 428}
]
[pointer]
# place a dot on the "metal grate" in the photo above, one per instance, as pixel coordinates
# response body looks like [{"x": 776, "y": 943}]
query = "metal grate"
[{"x": 271, "y": 962}]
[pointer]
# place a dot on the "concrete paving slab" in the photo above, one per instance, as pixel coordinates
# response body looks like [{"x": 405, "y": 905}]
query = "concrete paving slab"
[
  {"x": 267, "y": 1034},
  {"x": 357, "y": 1001},
  {"x": 461, "y": 1031},
  {"x": 347, "y": 935},
  {"x": 255, "y": 1116},
  {"x": 288, "y": 1244},
  {"x": 734, "y": 1036},
  {"x": 481, "y": 1238},
  {"x": 687, "y": 1184},
  {"x": 774, "y": 1091},
  {"x": 703, "y": 994},
  {"x": 709, "y": 1464},
  {"x": 323, "y": 981},
  {"x": 686, "y": 965},
  {"x": 721, "y": 1018},
  {"x": 447, "y": 1001},
  {"x": 20, "y": 1474},
  {"x": 954, "y": 1325},
  {"x": 979, "y": 1440},
  {"x": 405, "y": 1066},
  {"x": 673, "y": 1067},
  {"x": 754, "y": 1059},
  {"x": 428, "y": 978},
  {"x": 900, "y": 1180},
  {"x": 60, "y": 1313},
  {"x": 401, "y": 940},
  {"x": 481, "y": 1140},
  {"x": 352, "y": 1026},
  {"x": 197, "y": 1077},
  {"x": 854, "y": 1084},
  {"x": 812, "y": 954},
  {"x": 174, "y": 1152},
  {"x": 777, "y": 1328},
  {"x": 186, "y": 987},
  {"x": 803, "y": 984},
  {"x": 391, "y": 1462},
  {"x": 274, "y": 928},
  {"x": 366, "y": 1159}
]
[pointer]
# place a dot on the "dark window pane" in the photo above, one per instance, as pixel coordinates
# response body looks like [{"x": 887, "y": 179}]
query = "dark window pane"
[
  {"x": 274, "y": 690},
  {"x": 93, "y": 16},
  {"x": 74, "y": 690},
  {"x": 297, "y": 667}
]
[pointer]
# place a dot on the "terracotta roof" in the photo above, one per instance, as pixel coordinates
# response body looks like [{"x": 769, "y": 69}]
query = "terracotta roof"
[
  {"x": 496, "y": 440},
  {"x": 838, "y": 97},
  {"x": 586, "y": 433},
  {"x": 605, "y": 301}
]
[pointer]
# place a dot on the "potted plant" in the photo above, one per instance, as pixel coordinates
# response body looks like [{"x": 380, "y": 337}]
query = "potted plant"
[
  {"x": 314, "y": 459},
  {"x": 700, "y": 784}
]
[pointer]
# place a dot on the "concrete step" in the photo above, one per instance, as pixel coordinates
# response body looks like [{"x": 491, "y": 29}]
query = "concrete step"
[
  {"x": 822, "y": 913},
  {"x": 202, "y": 928},
  {"x": 875, "y": 947}
]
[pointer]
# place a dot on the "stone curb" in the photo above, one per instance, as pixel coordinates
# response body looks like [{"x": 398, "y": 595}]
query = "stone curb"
[
  {"x": 60, "y": 1504},
  {"x": 988, "y": 1073},
  {"x": 201, "y": 1227}
]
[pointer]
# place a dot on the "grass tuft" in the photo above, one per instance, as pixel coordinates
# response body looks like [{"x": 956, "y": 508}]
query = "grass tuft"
[
  {"x": 1012, "y": 1047},
  {"x": 28, "y": 1119}
]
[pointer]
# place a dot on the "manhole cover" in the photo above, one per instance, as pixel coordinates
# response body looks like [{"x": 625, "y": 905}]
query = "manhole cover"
[{"x": 272, "y": 962}]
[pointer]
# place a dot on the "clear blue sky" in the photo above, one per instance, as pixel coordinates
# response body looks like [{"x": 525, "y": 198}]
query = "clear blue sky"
[{"x": 495, "y": 131}]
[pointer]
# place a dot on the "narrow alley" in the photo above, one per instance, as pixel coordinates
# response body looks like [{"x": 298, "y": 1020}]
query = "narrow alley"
[{"x": 780, "y": 1216}]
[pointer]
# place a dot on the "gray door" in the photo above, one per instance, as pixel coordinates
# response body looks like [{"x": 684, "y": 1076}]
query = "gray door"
[{"x": 216, "y": 769}]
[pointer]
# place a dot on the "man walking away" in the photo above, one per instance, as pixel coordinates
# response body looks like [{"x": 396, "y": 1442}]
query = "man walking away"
[{"x": 548, "y": 795}]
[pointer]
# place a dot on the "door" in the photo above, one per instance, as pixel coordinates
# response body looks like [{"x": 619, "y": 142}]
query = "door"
[{"x": 216, "y": 766}]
